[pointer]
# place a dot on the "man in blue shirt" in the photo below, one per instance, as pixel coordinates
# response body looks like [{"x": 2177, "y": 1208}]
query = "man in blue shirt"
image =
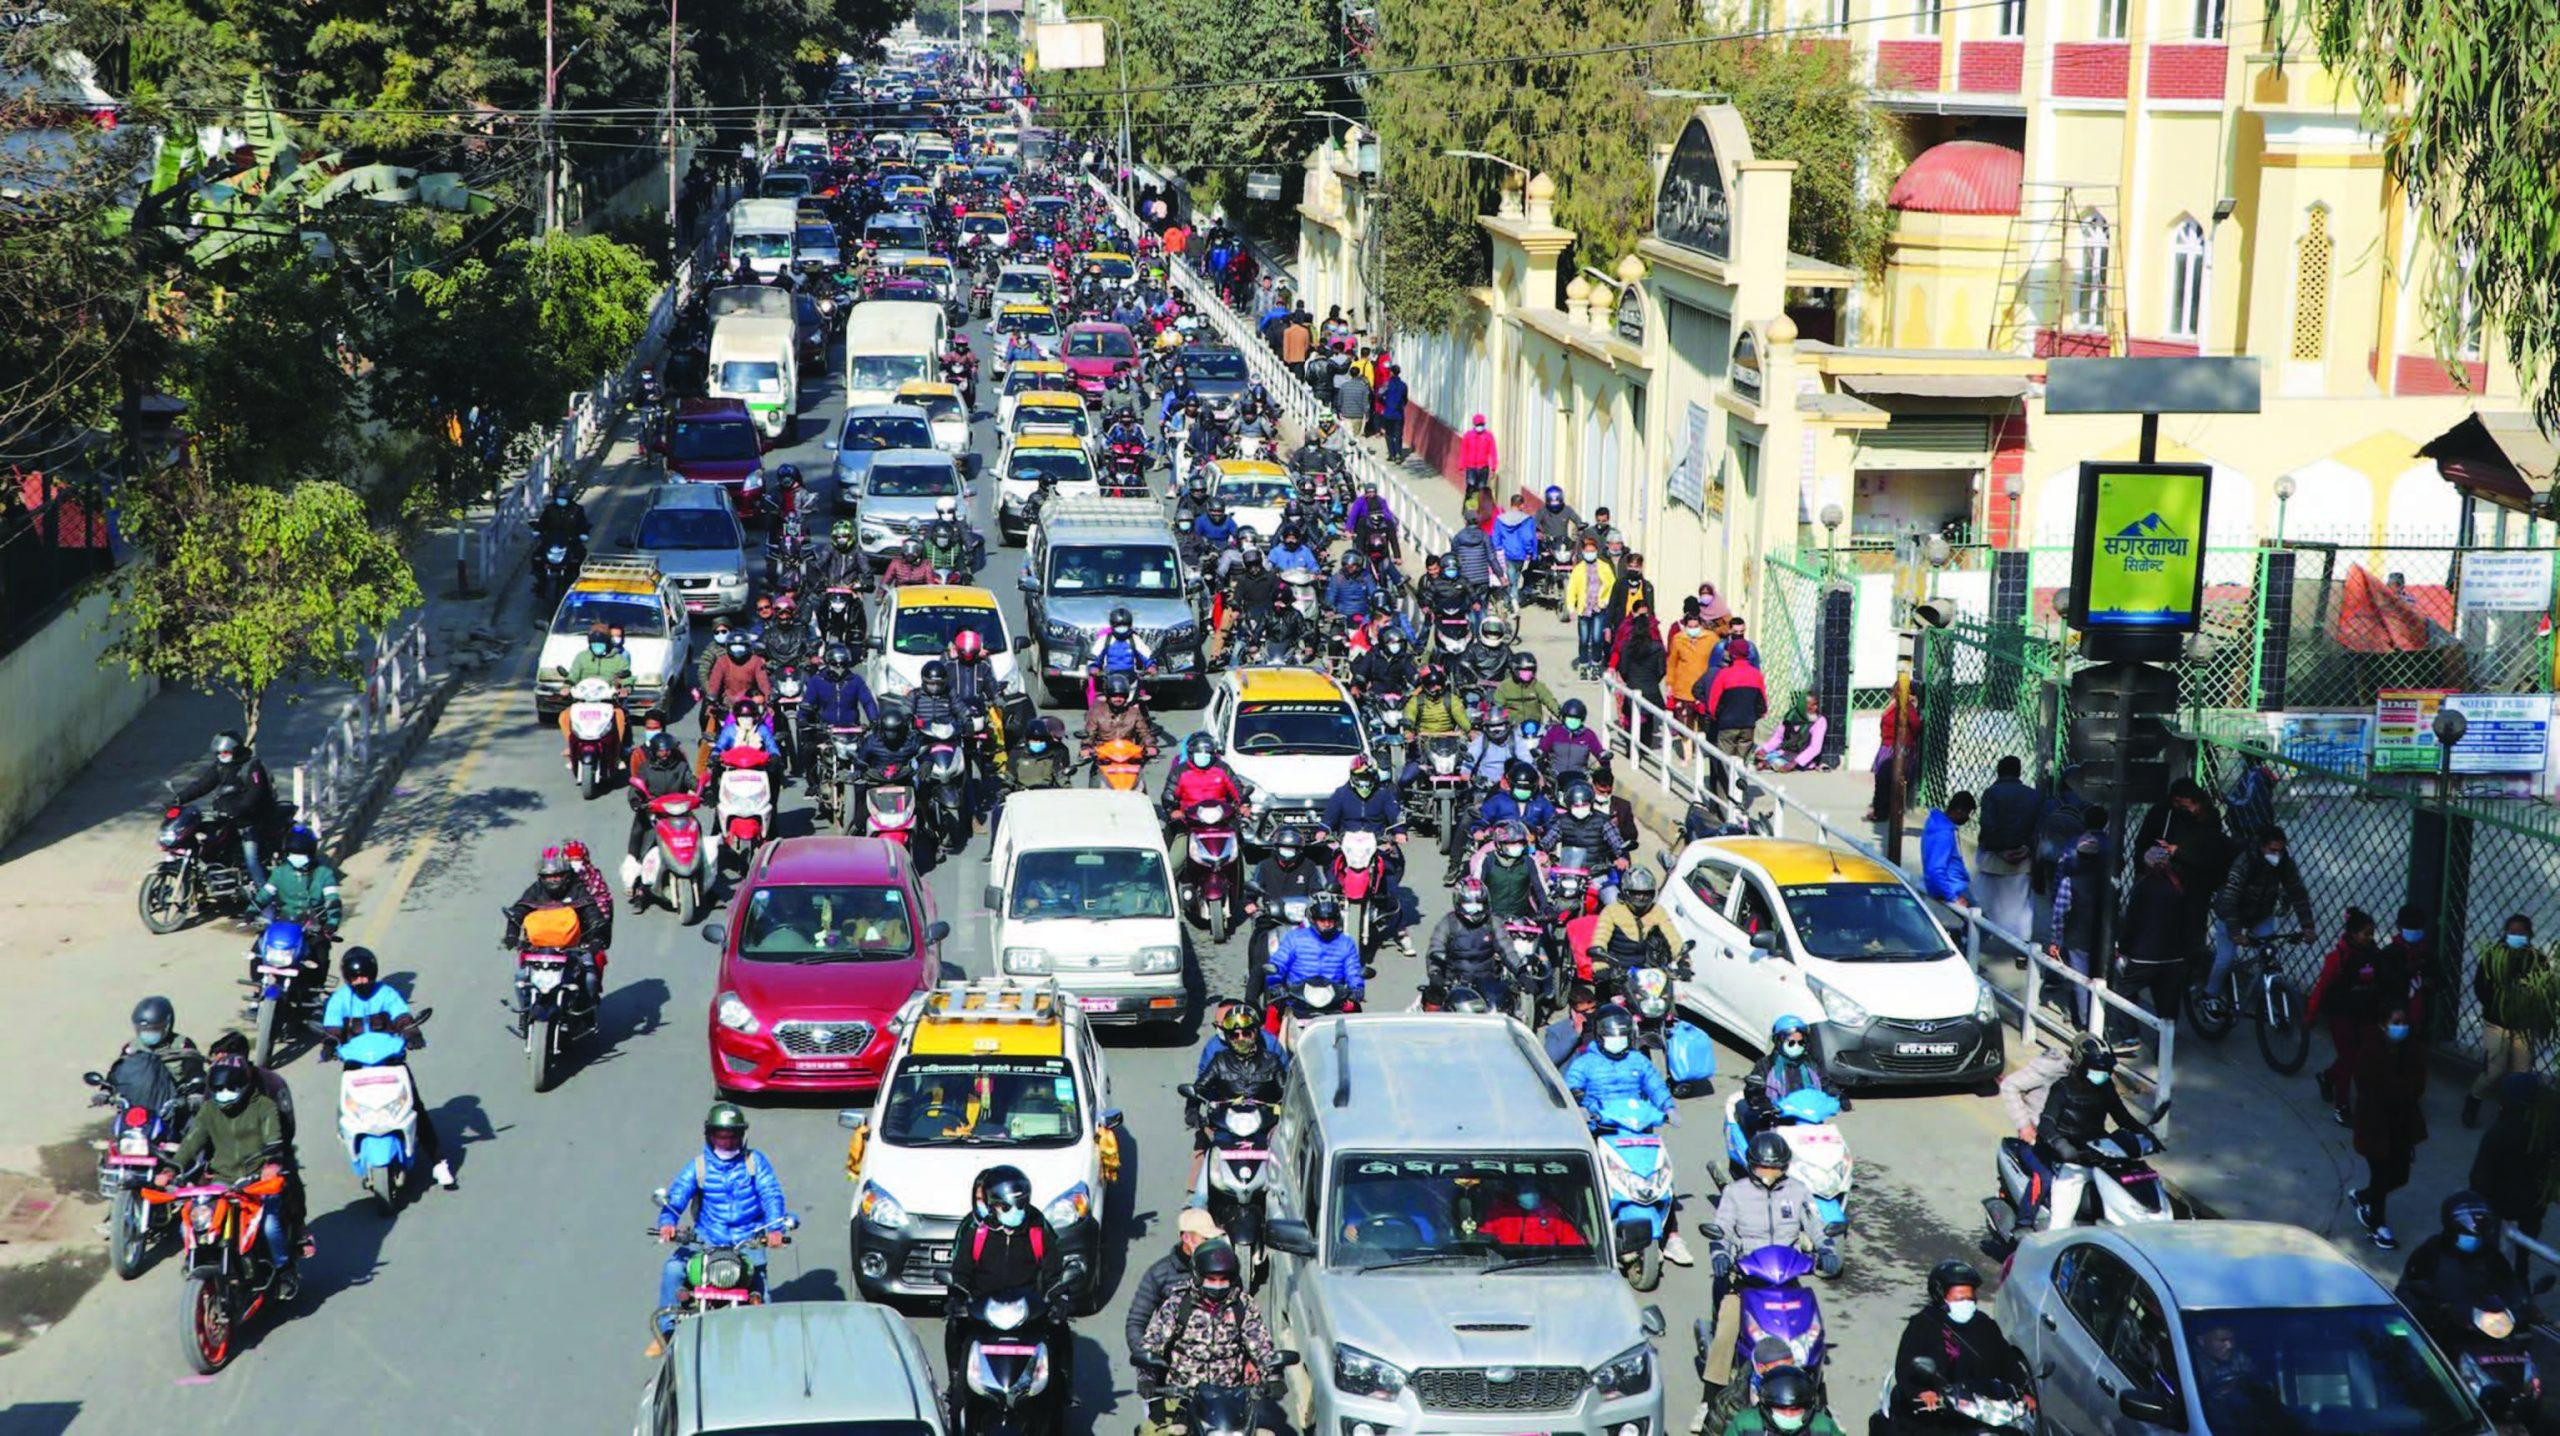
[
  {"x": 1319, "y": 951},
  {"x": 1518, "y": 800},
  {"x": 1364, "y": 804},
  {"x": 1942, "y": 854},
  {"x": 368, "y": 1022},
  {"x": 1215, "y": 527},
  {"x": 739, "y": 1199}
]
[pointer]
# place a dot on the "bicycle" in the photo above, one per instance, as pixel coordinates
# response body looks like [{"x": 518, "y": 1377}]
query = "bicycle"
[{"x": 2274, "y": 1001}]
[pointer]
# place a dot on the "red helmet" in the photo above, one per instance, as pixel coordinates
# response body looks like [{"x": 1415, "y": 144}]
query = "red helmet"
[
  {"x": 967, "y": 646},
  {"x": 576, "y": 852},
  {"x": 786, "y": 604}
]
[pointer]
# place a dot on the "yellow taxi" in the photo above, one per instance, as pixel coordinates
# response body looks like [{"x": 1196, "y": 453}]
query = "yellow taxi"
[
  {"x": 986, "y": 229},
  {"x": 1046, "y": 411},
  {"x": 1036, "y": 322},
  {"x": 1788, "y": 928},
  {"x": 1029, "y": 458},
  {"x": 945, "y": 412},
  {"x": 1034, "y": 376},
  {"x": 1290, "y": 734},
  {"x": 1109, "y": 265},
  {"x": 986, "y": 1072},
  {"x": 915, "y": 623}
]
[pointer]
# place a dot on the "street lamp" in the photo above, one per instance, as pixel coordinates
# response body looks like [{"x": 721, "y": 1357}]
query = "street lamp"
[
  {"x": 2014, "y": 488},
  {"x": 1831, "y": 520},
  {"x": 2284, "y": 495}
]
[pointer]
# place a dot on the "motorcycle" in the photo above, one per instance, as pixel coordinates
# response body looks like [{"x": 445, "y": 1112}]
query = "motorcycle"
[
  {"x": 1386, "y": 732},
  {"x": 378, "y": 1122},
  {"x": 746, "y": 804},
  {"x": 199, "y": 872},
  {"x": 835, "y": 764},
  {"x": 1119, "y": 764},
  {"x": 1125, "y": 472},
  {"x": 1972, "y": 1408},
  {"x": 1448, "y": 796},
  {"x": 2119, "y": 1189},
  {"x": 1781, "y": 1326},
  {"x": 791, "y": 720},
  {"x": 2493, "y": 1356},
  {"x": 889, "y": 807},
  {"x": 555, "y": 999},
  {"x": 1009, "y": 1392},
  {"x": 719, "y": 1276},
  {"x": 1360, "y": 876},
  {"x": 1642, "y": 983},
  {"x": 1544, "y": 582},
  {"x": 946, "y": 785},
  {"x": 595, "y": 758},
  {"x": 1304, "y": 1001},
  {"x": 1635, "y": 1164},
  {"x": 1569, "y": 885},
  {"x": 287, "y": 981},
  {"x": 150, "y": 1116},
  {"x": 1223, "y": 1410},
  {"x": 1818, "y": 1155},
  {"x": 230, "y": 1277},
  {"x": 840, "y": 618},
  {"x": 1239, "y": 1172},
  {"x": 555, "y": 567},
  {"x": 674, "y": 867},
  {"x": 1212, "y": 892},
  {"x": 1525, "y": 951},
  {"x": 1453, "y": 629}
]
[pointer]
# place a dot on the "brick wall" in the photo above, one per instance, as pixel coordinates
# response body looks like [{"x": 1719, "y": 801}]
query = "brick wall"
[
  {"x": 1906, "y": 64},
  {"x": 2090, "y": 70},
  {"x": 1992, "y": 67},
  {"x": 2185, "y": 72},
  {"x": 2426, "y": 374},
  {"x": 2008, "y": 459},
  {"x": 2160, "y": 349}
]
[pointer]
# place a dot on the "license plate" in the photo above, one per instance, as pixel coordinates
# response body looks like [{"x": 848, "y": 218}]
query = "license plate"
[
  {"x": 1099, "y": 1004},
  {"x": 823, "y": 1066},
  {"x": 1008, "y": 1349},
  {"x": 274, "y": 971},
  {"x": 1925, "y": 1049}
]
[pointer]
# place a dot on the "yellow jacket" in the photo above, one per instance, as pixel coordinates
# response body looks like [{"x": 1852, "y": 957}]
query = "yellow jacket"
[
  {"x": 1688, "y": 661},
  {"x": 1578, "y": 581}
]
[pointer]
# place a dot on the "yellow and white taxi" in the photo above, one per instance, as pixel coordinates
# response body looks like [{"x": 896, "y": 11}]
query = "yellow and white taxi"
[
  {"x": 623, "y": 591},
  {"x": 1028, "y": 458},
  {"x": 1289, "y": 734},
  {"x": 1035, "y": 322},
  {"x": 945, "y": 412},
  {"x": 1037, "y": 376},
  {"x": 915, "y": 623}
]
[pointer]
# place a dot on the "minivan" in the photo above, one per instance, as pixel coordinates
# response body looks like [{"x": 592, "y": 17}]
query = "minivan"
[
  {"x": 1080, "y": 888},
  {"x": 761, "y": 232},
  {"x": 888, "y": 342}
]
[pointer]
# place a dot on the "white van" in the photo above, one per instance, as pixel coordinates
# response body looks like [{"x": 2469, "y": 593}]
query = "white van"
[
  {"x": 888, "y": 342},
  {"x": 805, "y": 145},
  {"x": 761, "y": 232},
  {"x": 1080, "y": 888},
  {"x": 755, "y": 361},
  {"x": 931, "y": 149}
]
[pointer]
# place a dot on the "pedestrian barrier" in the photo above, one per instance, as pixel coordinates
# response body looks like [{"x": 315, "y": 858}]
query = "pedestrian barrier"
[
  {"x": 326, "y": 784},
  {"x": 1658, "y": 750}
]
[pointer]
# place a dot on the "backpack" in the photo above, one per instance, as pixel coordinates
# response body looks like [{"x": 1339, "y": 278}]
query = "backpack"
[{"x": 978, "y": 1243}]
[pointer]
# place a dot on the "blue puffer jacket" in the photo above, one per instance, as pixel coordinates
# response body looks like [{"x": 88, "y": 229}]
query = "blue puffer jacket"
[
  {"x": 1303, "y": 955},
  {"x": 738, "y": 1196},
  {"x": 1598, "y": 1078}
]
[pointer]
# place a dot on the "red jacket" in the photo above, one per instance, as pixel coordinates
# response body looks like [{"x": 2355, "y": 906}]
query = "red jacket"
[
  {"x": 1205, "y": 785},
  {"x": 1476, "y": 450}
]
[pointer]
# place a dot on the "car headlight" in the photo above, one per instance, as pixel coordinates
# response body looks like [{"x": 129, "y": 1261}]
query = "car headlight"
[
  {"x": 1070, "y": 1206},
  {"x": 1629, "y": 1373},
  {"x": 733, "y": 580},
  {"x": 1057, "y": 632},
  {"x": 734, "y": 1014},
  {"x": 881, "y": 1210},
  {"x": 1026, "y": 961},
  {"x": 1160, "y": 959},
  {"x": 1986, "y": 1007},
  {"x": 893, "y": 683},
  {"x": 1838, "y": 1007},
  {"x": 1357, "y": 1373}
]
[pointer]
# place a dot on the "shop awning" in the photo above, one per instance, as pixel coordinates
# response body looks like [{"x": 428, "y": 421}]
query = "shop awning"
[
  {"x": 1926, "y": 442},
  {"x": 1937, "y": 386},
  {"x": 2499, "y": 456}
]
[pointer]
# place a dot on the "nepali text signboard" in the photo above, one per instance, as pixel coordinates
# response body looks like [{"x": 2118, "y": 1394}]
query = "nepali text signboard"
[
  {"x": 2505, "y": 732},
  {"x": 1692, "y": 208},
  {"x": 2506, "y": 580},
  {"x": 2137, "y": 560}
]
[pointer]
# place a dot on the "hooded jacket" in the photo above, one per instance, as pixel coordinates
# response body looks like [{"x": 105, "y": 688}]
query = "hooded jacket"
[
  {"x": 734, "y": 1196},
  {"x": 1515, "y": 536}
]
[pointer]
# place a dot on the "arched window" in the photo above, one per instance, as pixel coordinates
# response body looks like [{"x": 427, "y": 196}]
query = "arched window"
[
  {"x": 2186, "y": 279},
  {"x": 2311, "y": 257},
  {"x": 2092, "y": 262}
]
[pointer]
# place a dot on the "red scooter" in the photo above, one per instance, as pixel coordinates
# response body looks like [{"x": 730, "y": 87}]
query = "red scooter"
[
  {"x": 1212, "y": 895},
  {"x": 675, "y": 867}
]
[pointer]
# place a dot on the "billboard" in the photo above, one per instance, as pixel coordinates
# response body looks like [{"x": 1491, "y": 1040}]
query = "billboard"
[
  {"x": 2137, "y": 561},
  {"x": 1073, "y": 45}
]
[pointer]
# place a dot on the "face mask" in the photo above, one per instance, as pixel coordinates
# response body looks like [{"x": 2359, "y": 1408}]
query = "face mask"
[
  {"x": 299, "y": 860},
  {"x": 2095, "y": 1079},
  {"x": 1526, "y": 675},
  {"x": 1792, "y": 1049},
  {"x": 2412, "y": 934},
  {"x": 1011, "y": 1216},
  {"x": 738, "y": 652},
  {"x": 2466, "y": 1242},
  {"x": 1582, "y": 810},
  {"x": 2397, "y": 1031},
  {"x": 1286, "y": 855},
  {"x": 1038, "y": 745},
  {"x": 1199, "y": 760},
  {"x": 1960, "y": 1312},
  {"x": 1511, "y": 852},
  {"x": 1522, "y": 793},
  {"x": 1590, "y": 554},
  {"x": 1471, "y": 910},
  {"x": 980, "y": 1206},
  {"x": 727, "y": 1148},
  {"x": 2518, "y": 942},
  {"x": 1787, "y": 1420},
  {"x": 231, "y": 1096},
  {"x": 150, "y": 1038},
  {"x": 1614, "y": 1046},
  {"x": 598, "y": 647},
  {"x": 1573, "y": 725},
  {"x": 2272, "y": 858}
]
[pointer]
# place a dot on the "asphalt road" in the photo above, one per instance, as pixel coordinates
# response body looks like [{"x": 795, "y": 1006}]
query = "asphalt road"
[{"x": 521, "y": 1302}]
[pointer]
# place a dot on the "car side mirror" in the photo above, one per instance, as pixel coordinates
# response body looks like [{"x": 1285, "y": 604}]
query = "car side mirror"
[
  {"x": 1288, "y": 1234},
  {"x": 1651, "y": 1318},
  {"x": 852, "y": 1120},
  {"x": 1110, "y": 1119},
  {"x": 715, "y": 933},
  {"x": 993, "y": 898},
  {"x": 1027, "y": 583},
  {"x": 937, "y": 932},
  {"x": 1283, "y": 1360},
  {"x": 829, "y": 444},
  {"x": 1022, "y": 643},
  {"x": 1764, "y": 942},
  {"x": 2152, "y": 1409}
]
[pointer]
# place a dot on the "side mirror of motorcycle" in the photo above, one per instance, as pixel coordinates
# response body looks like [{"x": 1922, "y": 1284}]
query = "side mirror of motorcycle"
[
  {"x": 1287, "y": 1234},
  {"x": 937, "y": 932},
  {"x": 1926, "y": 1368},
  {"x": 2152, "y": 1409},
  {"x": 715, "y": 933},
  {"x": 93, "y": 1079},
  {"x": 1712, "y": 1231},
  {"x": 829, "y": 444},
  {"x": 1184, "y": 1090},
  {"x": 658, "y": 1198},
  {"x": 1651, "y": 1319}
]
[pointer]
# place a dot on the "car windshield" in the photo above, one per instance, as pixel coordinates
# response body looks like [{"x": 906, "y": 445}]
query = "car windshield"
[
  {"x": 749, "y": 376},
  {"x": 1259, "y": 493},
  {"x": 1222, "y": 364},
  {"x": 885, "y": 371},
  {"x": 1065, "y": 465},
  {"x": 1069, "y": 417},
  {"x": 982, "y": 1102},
  {"x": 711, "y": 440},
  {"x": 762, "y": 246},
  {"x": 817, "y": 236},
  {"x": 937, "y": 407},
  {"x": 927, "y": 632},
  {"x": 887, "y": 431},
  {"x": 826, "y": 1428},
  {"x": 1038, "y": 321},
  {"x": 1021, "y": 284},
  {"x": 1114, "y": 268},
  {"x": 1863, "y": 922},
  {"x": 1301, "y": 728},
  {"x": 826, "y": 924},
  {"x": 982, "y": 224},
  {"x": 2292, "y": 1372},
  {"x": 1102, "y": 344},
  {"x": 912, "y": 481},
  {"x": 663, "y": 529},
  {"x": 637, "y": 615},
  {"x": 1097, "y": 883},
  {"x": 1134, "y": 569},
  {"x": 783, "y": 186},
  {"x": 1479, "y": 1209}
]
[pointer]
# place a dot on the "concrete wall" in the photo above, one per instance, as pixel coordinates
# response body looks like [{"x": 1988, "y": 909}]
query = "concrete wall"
[{"x": 59, "y": 707}]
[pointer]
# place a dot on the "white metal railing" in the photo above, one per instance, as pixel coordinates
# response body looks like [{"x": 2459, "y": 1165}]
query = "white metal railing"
[
  {"x": 388, "y": 690},
  {"x": 2529, "y": 1253},
  {"x": 1661, "y": 750}
]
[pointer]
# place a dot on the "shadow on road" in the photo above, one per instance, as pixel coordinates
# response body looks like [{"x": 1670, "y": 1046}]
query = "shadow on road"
[{"x": 38, "y": 1418}]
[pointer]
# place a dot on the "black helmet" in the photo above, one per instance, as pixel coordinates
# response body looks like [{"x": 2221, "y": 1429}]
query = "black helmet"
[
  {"x": 1638, "y": 891},
  {"x": 2092, "y": 1054},
  {"x": 1947, "y": 1275},
  {"x": 1519, "y": 774},
  {"x": 2465, "y": 1213},
  {"x": 912, "y": 549},
  {"x": 1287, "y": 841},
  {"x": 1770, "y": 1150},
  {"x": 1121, "y": 620},
  {"x": 893, "y": 724},
  {"x": 839, "y": 657},
  {"x": 662, "y": 744},
  {"x": 1217, "y": 1259},
  {"x": 155, "y": 1014},
  {"x": 1574, "y": 708},
  {"x": 1006, "y": 1187},
  {"x": 228, "y": 746},
  {"x": 1785, "y": 1388},
  {"x": 1579, "y": 791},
  {"x": 1118, "y": 685},
  {"x": 937, "y": 677},
  {"x": 1613, "y": 1021},
  {"x": 1325, "y": 907},
  {"x": 554, "y": 872},
  {"x": 359, "y": 965},
  {"x": 724, "y": 1117},
  {"x": 229, "y": 1082}
]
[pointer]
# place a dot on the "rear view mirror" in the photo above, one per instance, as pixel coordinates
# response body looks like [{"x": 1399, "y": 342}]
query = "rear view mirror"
[
  {"x": 937, "y": 932},
  {"x": 1764, "y": 942},
  {"x": 1021, "y": 642},
  {"x": 93, "y": 1079},
  {"x": 1651, "y": 1317},
  {"x": 1289, "y": 1235},
  {"x": 715, "y": 933},
  {"x": 851, "y": 1120},
  {"x": 2152, "y": 1409},
  {"x": 1027, "y": 583}
]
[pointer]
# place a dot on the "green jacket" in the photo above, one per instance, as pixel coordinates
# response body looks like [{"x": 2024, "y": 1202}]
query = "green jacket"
[
  {"x": 1041, "y": 770},
  {"x": 242, "y": 1138},
  {"x": 299, "y": 894},
  {"x": 1444, "y": 714},
  {"x": 1750, "y": 1423},
  {"x": 1529, "y": 702},
  {"x": 613, "y": 668}
]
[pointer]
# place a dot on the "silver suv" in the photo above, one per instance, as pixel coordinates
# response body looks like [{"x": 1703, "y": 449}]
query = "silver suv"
[
  {"x": 1089, "y": 555},
  {"x": 695, "y": 537},
  {"x": 1387, "y": 1270},
  {"x": 799, "y": 1365}
]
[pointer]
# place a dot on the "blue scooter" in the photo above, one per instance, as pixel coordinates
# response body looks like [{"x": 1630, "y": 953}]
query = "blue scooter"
[
  {"x": 378, "y": 1113},
  {"x": 1636, "y": 1164}
]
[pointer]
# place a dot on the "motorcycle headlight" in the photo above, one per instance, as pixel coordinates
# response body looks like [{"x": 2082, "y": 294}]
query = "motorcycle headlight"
[
  {"x": 734, "y": 1014},
  {"x": 1007, "y": 1315},
  {"x": 1070, "y": 1206},
  {"x": 1986, "y": 1006},
  {"x": 1243, "y": 1121},
  {"x": 1026, "y": 961},
  {"x": 1160, "y": 959},
  {"x": 2497, "y": 1324},
  {"x": 1357, "y": 1373},
  {"x": 1838, "y": 1008},
  {"x": 882, "y": 1210},
  {"x": 1629, "y": 1373},
  {"x": 725, "y": 1269}
]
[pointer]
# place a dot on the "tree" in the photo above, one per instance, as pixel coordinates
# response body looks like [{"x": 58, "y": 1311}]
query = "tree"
[
  {"x": 247, "y": 587},
  {"x": 589, "y": 297},
  {"x": 2467, "y": 100},
  {"x": 270, "y": 381}
]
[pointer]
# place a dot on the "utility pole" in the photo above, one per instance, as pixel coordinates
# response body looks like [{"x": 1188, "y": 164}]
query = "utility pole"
[
  {"x": 674, "y": 241},
  {"x": 550, "y": 165}
]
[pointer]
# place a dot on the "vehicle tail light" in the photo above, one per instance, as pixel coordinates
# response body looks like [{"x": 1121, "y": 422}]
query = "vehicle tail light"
[{"x": 136, "y": 1116}]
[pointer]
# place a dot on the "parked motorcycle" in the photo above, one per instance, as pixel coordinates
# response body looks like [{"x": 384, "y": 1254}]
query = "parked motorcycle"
[
  {"x": 675, "y": 867},
  {"x": 378, "y": 1122},
  {"x": 229, "y": 1276},
  {"x": 1008, "y": 1390},
  {"x": 198, "y": 874},
  {"x": 1212, "y": 889},
  {"x": 595, "y": 757},
  {"x": 149, "y": 1116},
  {"x": 288, "y": 979},
  {"x": 2120, "y": 1189},
  {"x": 746, "y": 804},
  {"x": 555, "y": 997}
]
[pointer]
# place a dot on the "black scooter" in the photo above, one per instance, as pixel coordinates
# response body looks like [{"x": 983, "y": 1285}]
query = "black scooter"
[
  {"x": 1007, "y": 1386},
  {"x": 1222, "y": 1410}
]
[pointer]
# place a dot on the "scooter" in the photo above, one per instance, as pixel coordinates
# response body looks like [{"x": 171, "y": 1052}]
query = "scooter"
[
  {"x": 889, "y": 807},
  {"x": 746, "y": 804},
  {"x": 2493, "y": 1356},
  {"x": 378, "y": 1122},
  {"x": 944, "y": 776},
  {"x": 2119, "y": 1189},
  {"x": 675, "y": 868},
  {"x": 1636, "y": 1166},
  {"x": 1239, "y": 1173},
  {"x": 595, "y": 759},
  {"x": 1781, "y": 1326},
  {"x": 288, "y": 976},
  {"x": 1818, "y": 1156},
  {"x": 1008, "y": 1391},
  {"x": 1119, "y": 764},
  {"x": 1212, "y": 893}
]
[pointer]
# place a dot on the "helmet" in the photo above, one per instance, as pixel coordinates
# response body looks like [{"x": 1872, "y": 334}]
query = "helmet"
[
  {"x": 1236, "y": 1018},
  {"x": 1525, "y": 664},
  {"x": 1252, "y": 555},
  {"x": 837, "y": 658},
  {"x": 1291, "y": 535},
  {"x": 1638, "y": 891},
  {"x": 1947, "y": 1275},
  {"x": 1433, "y": 679},
  {"x": 947, "y": 509},
  {"x": 912, "y": 549},
  {"x": 1201, "y": 746},
  {"x": 154, "y": 1018},
  {"x": 1577, "y": 795},
  {"x": 1362, "y": 770},
  {"x": 576, "y": 852},
  {"x": 937, "y": 677},
  {"x": 1512, "y": 837},
  {"x": 724, "y": 1117},
  {"x": 2465, "y": 1214},
  {"x": 960, "y": 342},
  {"x": 893, "y": 724},
  {"x": 1286, "y": 842},
  {"x": 662, "y": 744},
  {"x": 2092, "y": 1054},
  {"x": 788, "y": 474},
  {"x": 1786, "y": 1025},
  {"x": 1217, "y": 1261},
  {"x": 1614, "y": 1025},
  {"x": 1518, "y": 773},
  {"x": 967, "y": 646},
  {"x": 1768, "y": 1150},
  {"x": 1006, "y": 1187},
  {"x": 1118, "y": 687},
  {"x": 1574, "y": 708},
  {"x": 840, "y": 533},
  {"x": 229, "y": 1083},
  {"x": 1786, "y": 1388},
  {"x": 301, "y": 842},
  {"x": 1121, "y": 622},
  {"x": 786, "y": 604},
  {"x": 1555, "y": 497},
  {"x": 1471, "y": 898},
  {"x": 359, "y": 965},
  {"x": 1325, "y": 907},
  {"x": 554, "y": 872},
  {"x": 1493, "y": 632},
  {"x": 227, "y": 747}
]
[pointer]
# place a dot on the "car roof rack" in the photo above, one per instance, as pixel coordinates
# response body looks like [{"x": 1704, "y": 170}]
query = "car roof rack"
[
  {"x": 993, "y": 999},
  {"x": 638, "y": 566}
]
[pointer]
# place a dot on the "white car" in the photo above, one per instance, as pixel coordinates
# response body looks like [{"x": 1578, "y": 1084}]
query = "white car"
[
  {"x": 624, "y": 591},
  {"x": 1080, "y": 888},
  {"x": 914, "y": 625},
  {"x": 1289, "y": 734},
  {"x": 1256, "y": 492},
  {"x": 1787, "y": 928}
]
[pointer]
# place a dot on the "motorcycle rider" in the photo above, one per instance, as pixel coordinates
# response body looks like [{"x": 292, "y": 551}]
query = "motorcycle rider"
[
  {"x": 1351, "y": 595},
  {"x": 662, "y": 771},
  {"x": 737, "y": 675},
  {"x": 1123, "y": 431},
  {"x": 934, "y": 702},
  {"x": 240, "y": 1135},
  {"x": 1274, "y": 634},
  {"x": 1283, "y": 875},
  {"x": 1520, "y": 691},
  {"x": 1439, "y": 590},
  {"x": 1362, "y": 805},
  {"x": 1493, "y": 747},
  {"x": 563, "y": 521},
  {"x": 1116, "y": 715},
  {"x": 1119, "y": 649},
  {"x": 1193, "y": 1229},
  {"x": 556, "y": 884},
  {"x": 1632, "y": 929},
  {"x": 1201, "y": 778},
  {"x": 948, "y": 548},
  {"x": 1008, "y": 1248},
  {"x": 1294, "y": 552},
  {"x": 1239, "y": 1064},
  {"x": 1431, "y": 711},
  {"x": 838, "y": 696},
  {"x": 367, "y": 1023},
  {"x": 893, "y": 742},
  {"x": 1513, "y": 886},
  {"x": 908, "y": 567},
  {"x": 1214, "y": 527},
  {"x": 603, "y": 659},
  {"x": 1558, "y": 524},
  {"x": 304, "y": 889},
  {"x": 1465, "y": 949},
  {"x": 1788, "y": 1068},
  {"x": 732, "y": 1192},
  {"x": 1608, "y": 1068},
  {"x": 1789, "y": 1405},
  {"x": 789, "y": 640},
  {"x": 155, "y": 1030},
  {"x": 1766, "y": 1208},
  {"x": 1207, "y": 1334},
  {"x": 1584, "y": 824},
  {"x": 748, "y": 727},
  {"x": 2462, "y": 1269},
  {"x": 1517, "y": 801},
  {"x": 1253, "y": 587},
  {"x": 233, "y": 788},
  {"x": 1387, "y": 667},
  {"x": 1948, "y": 1343},
  {"x": 1320, "y": 951},
  {"x": 2080, "y": 1110},
  {"x": 1568, "y": 745},
  {"x": 844, "y": 564}
]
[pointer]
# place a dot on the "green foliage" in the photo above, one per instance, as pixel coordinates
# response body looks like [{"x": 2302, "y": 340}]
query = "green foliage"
[
  {"x": 248, "y": 587},
  {"x": 2467, "y": 99},
  {"x": 269, "y": 384},
  {"x": 589, "y": 297},
  {"x": 1209, "y": 134},
  {"x": 1589, "y": 123}
]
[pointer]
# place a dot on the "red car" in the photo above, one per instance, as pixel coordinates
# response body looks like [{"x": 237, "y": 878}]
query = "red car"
[
  {"x": 826, "y": 940},
  {"x": 1100, "y": 356},
  {"x": 714, "y": 441}
]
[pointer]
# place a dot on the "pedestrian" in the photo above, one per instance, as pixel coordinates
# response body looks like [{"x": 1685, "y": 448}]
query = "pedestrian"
[
  {"x": 2390, "y": 1120},
  {"x": 2512, "y": 985},
  {"x": 1351, "y": 396},
  {"x": 1588, "y": 587},
  {"x": 1638, "y": 658},
  {"x": 1731, "y": 630},
  {"x": 2513, "y": 1166},
  {"x": 1735, "y": 700},
  {"x": 2078, "y": 883},
  {"x": 2189, "y": 827},
  {"x": 2005, "y": 849},
  {"x": 1390, "y": 402},
  {"x": 1898, "y": 728},
  {"x": 1297, "y": 340},
  {"x": 1515, "y": 538},
  {"x": 1942, "y": 852},
  {"x": 1477, "y": 456},
  {"x": 2151, "y": 956},
  {"x": 2358, "y": 982},
  {"x": 1632, "y": 586},
  {"x": 2251, "y": 799},
  {"x": 1692, "y": 646}
]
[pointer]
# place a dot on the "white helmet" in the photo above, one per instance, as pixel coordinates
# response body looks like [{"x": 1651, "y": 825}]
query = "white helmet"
[{"x": 947, "y": 509}]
